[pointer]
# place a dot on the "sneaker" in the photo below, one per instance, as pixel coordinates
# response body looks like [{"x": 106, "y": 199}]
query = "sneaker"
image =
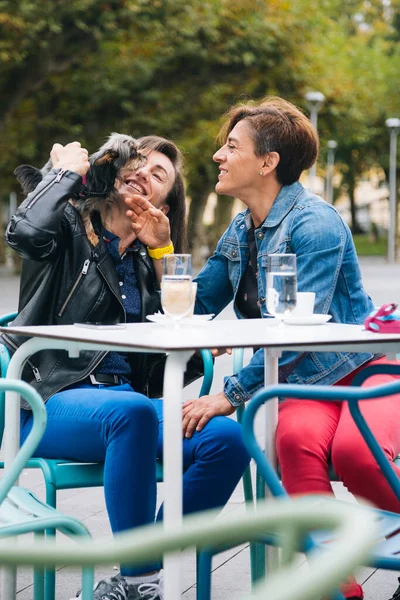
[
  {"x": 117, "y": 588},
  {"x": 396, "y": 595},
  {"x": 114, "y": 588},
  {"x": 147, "y": 591}
]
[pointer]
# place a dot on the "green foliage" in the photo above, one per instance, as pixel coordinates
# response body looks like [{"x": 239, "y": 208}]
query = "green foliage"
[
  {"x": 367, "y": 247},
  {"x": 83, "y": 68}
]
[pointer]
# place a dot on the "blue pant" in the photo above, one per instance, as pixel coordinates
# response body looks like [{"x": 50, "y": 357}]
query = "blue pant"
[{"x": 124, "y": 429}]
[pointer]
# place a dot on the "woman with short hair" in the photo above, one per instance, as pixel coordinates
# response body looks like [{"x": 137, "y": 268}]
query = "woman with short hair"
[{"x": 265, "y": 148}]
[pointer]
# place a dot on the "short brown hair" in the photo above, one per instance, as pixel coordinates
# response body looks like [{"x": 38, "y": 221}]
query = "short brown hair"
[
  {"x": 277, "y": 126},
  {"x": 176, "y": 197}
]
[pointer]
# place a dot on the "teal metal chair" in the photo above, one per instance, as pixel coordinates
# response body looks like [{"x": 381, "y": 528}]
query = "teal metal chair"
[
  {"x": 62, "y": 474},
  {"x": 258, "y": 562},
  {"x": 20, "y": 511},
  {"x": 387, "y": 552},
  {"x": 288, "y": 522}
]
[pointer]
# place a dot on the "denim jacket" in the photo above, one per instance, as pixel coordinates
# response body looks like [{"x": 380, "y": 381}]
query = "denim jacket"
[{"x": 303, "y": 224}]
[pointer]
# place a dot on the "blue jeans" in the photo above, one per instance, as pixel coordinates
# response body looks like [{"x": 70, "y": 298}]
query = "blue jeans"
[{"x": 124, "y": 429}]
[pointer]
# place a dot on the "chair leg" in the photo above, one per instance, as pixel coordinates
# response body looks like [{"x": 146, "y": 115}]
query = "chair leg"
[
  {"x": 87, "y": 583},
  {"x": 203, "y": 570},
  {"x": 248, "y": 496},
  {"x": 337, "y": 596},
  {"x": 50, "y": 579},
  {"x": 259, "y": 550},
  {"x": 38, "y": 576}
]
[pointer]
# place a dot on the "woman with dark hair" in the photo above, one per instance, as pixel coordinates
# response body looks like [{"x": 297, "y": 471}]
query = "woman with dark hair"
[
  {"x": 176, "y": 197},
  {"x": 265, "y": 148},
  {"x": 92, "y": 235}
]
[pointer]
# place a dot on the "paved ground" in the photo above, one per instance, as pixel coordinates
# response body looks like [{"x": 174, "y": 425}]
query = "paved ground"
[{"x": 231, "y": 570}]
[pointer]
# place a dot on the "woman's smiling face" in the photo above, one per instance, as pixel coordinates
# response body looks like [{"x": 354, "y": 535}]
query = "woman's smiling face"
[
  {"x": 153, "y": 180},
  {"x": 238, "y": 164}
]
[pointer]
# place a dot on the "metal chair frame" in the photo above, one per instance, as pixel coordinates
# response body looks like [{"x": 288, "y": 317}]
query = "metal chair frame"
[
  {"x": 60, "y": 474},
  {"x": 288, "y": 522},
  {"x": 386, "y": 554},
  {"x": 20, "y": 511}
]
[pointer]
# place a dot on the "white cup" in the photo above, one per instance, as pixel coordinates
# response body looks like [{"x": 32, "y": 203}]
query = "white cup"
[{"x": 305, "y": 304}]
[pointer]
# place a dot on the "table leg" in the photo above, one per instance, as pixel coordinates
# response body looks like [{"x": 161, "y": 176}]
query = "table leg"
[
  {"x": 271, "y": 377},
  {"x": 172, "y": 465}
]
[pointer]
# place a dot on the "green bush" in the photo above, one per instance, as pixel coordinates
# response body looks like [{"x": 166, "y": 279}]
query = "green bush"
[{"x": 366, "y": 247}]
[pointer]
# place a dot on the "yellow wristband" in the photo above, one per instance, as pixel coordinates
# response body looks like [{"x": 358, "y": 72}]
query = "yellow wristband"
[{"x": 160, "y": 252}]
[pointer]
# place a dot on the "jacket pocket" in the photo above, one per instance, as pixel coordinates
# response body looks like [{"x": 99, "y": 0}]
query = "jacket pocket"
[{"x": 231, "y": 251}]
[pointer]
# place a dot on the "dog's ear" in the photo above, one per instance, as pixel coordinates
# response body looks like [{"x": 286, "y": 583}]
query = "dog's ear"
[
  {"x": 29, "y": 177},
  {"x": 106, "y": 163},
  {"x": 101, "y": 176}
]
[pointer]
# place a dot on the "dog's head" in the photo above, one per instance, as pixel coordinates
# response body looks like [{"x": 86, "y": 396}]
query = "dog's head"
[{"x": 105, "y": 164}]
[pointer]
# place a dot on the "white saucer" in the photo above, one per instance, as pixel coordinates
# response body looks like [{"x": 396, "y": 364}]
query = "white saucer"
[
  {"x": 165, "y": 320},
  {"x": 311, "y": 320}
]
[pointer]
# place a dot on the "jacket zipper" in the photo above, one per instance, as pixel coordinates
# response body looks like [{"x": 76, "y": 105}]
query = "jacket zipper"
[
  {"x": 35, "y": 370},
  {"x": 57, "y": 179},
  {"x": 82, "y": 274}
]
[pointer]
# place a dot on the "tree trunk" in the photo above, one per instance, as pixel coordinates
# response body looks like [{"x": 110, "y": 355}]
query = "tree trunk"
[
  {"x": 355, "y": 227},
  {"x": 196, "y": 234},
  {"x": 222, "y": 219}
]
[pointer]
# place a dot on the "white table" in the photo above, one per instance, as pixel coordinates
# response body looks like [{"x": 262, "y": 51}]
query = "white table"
[{"x": 150, "y": 337}]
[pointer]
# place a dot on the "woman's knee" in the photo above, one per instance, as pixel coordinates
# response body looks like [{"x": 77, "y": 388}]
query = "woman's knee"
[
  {"x": 224, "y": 436},
  {"x": 352, "y": 459},
  {"x": 132, "y": 412},
  {"x": 295, "y": 439}
]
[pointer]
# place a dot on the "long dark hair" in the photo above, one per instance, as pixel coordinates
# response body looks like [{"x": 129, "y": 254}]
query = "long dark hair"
[{"x": 176, "y": 197}]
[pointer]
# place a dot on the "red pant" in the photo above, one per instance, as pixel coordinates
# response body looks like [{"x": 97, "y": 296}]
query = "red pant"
[{"x": 310, "y": 432}]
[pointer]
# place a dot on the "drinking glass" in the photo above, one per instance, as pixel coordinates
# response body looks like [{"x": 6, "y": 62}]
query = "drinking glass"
[
  {"x": 176, "y": 286},
  {"x": 281, "y": 284}
]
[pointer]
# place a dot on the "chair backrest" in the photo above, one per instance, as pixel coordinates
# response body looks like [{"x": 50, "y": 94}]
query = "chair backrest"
[
  {"x": 351, "y": 394},
  {"x": 4, "y": 360},
  {"x": 208, "y": 376},
  {"x": 354, "y": 534},
  {"x": 35, "y": 435}
]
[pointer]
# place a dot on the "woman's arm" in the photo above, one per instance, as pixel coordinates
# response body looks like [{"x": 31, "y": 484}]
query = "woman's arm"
[
  {"x": 319, "y": 240},
  {"x": 34, "y": 229}
]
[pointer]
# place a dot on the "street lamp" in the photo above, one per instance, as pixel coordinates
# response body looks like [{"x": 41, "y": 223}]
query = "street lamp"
[
  {"x": 394, "y": 127},
  {"x": 331, "y": 145},
  {"x": 314, "y": 101}
]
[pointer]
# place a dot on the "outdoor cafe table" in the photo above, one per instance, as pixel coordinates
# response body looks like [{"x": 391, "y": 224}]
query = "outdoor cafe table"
[{"x": 178, "y": 343}]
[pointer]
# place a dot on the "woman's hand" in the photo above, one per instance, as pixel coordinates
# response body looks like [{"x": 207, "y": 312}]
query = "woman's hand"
[
  {"x": 220, "y": 351},
  {"x": 71, "y": 157},
  {"x": 197, "y": 413},
  {"x": 150, "y": 224}
]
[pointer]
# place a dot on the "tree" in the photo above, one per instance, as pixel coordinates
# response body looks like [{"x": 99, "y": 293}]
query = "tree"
[{"x": 82, "y": 69}]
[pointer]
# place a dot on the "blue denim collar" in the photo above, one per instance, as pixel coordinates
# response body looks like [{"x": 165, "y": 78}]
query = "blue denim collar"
[{"x": 282, "y": 205}]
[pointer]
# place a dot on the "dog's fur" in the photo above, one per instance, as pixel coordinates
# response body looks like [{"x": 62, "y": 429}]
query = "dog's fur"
[
  {"x": 105, "y": 165},
  {"x": 97, "y": 192}
]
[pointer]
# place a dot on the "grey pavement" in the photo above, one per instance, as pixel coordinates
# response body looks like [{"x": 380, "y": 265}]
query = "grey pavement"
[{"x": 231, "y": 570}]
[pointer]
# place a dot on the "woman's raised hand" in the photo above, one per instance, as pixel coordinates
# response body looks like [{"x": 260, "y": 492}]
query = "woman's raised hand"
[
  {"x": 150, "y": 224},
  {"x": 71, "y": 157}
]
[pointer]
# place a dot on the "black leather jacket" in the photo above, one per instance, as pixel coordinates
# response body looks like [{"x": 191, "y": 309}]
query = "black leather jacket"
[{"x": 69, "y": 277}]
